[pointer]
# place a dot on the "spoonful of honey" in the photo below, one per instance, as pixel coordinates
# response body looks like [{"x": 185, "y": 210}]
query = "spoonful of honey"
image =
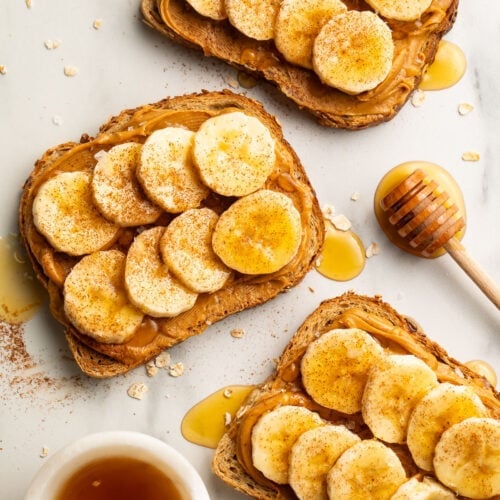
[{"x": 420, "y": 208}]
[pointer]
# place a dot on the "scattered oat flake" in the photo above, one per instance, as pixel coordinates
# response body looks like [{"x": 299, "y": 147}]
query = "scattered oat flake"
[
  {"x": 372, "y": 250},
  {"x": 97, "y": 24},
  {"x": 3, "y": 69},
  {"x": 341, "y": 222},
  {"x": 162, "y": 360},
  {"x": 471, "y": 156},
  {"x": 237, "y": 333},
  {"x": 328, "y": 210},
  {"x": 418, "y": 98},
  {"x": 28, "y": 4},
  {"x": 51, "y": 44},
  {"x": 151, "y": 369},
  {"x": 70, "y": 70},
  {"x": 355, "y": 196},
  {"x": 137, "y": 390},
  {"x": 465, "y": 108},
  {"x": 176, "y": 370},
  {"x": 44, "y": 452}
]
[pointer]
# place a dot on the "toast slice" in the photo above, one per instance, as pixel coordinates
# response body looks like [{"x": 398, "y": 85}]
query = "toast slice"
[
  {"x": 415, "y": 45},
  {"x": 232, "y": 461},
  {"x": 240, "y": 292}
]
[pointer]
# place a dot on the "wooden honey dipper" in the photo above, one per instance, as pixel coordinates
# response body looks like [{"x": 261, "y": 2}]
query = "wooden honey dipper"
[{"x": 428, "y": 220}]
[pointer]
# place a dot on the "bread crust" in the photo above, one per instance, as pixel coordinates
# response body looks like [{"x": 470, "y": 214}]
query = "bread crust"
[
  {"x": 415, "y": 47},
  {"x": 282, "y": 387},
  {"x": 242, "y": 292}
]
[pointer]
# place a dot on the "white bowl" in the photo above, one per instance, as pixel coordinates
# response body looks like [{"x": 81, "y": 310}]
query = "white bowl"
[{"x": 63, "y": 464}]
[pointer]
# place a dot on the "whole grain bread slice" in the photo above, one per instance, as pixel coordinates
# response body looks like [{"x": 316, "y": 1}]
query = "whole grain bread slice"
[
  {"x": 232, "y": 458},
  {"x": 415, "y": 44},
  {"x": 242, "y": 292}
]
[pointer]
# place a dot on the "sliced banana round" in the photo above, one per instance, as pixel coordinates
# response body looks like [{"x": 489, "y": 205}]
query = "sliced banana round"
[
  {"x": 214, "y": 9},
  {"x": 353, "y": 52},
  {"x": 150, "y": 285},
  {"x": 253, "y": 18},
  {"x": 423, "y": 489},
  {"x": 312, "y": 456},
  {"x": 393, "y": 389},
  {"x": 298, "y": 23},
  {"x": 234, "y": 153},
  {"x": 116, "y": 191},
  {"x": 369, "y": 469},
  {"x": 443, "y": 406},
  {"x": 273, "y": 436},
  {"x": 467, "y": 458},
  {"x": 402, "y": 10},
  {"x": 259, "y": 233},
  {"x": 186, "y": 248},
  {"x": 167, "y": 173},
  {"x": 95, "y": 300},
  {"x": 335, "y": 368},
  {"x": 64, "y": 212}
]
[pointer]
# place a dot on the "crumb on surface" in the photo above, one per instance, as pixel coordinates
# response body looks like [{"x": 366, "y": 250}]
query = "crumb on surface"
[
  {"x": 237, "y": 333},
  {"x": 355, "y": 196},
  {"x": 3, "y": 69},
  {"x": 162, "y": 360},
  {"x": 341, "y": 222},
  {"x": 176, "y": 370},
  {"x": 51, "y": 44},
  {"x": 97, "y": 24},
  {"x": 45, "y": 452},
  {"x": 372, "y": 250},
  {"x": 70, "y": 70},
  {"x": 29, "y": 4},
  {"x": 151, "y": 369},
  {"x": 137, "y": 390},
  {"x": 471, "y": 156},
  {"x": 465, "y": 108},
  {"x": 418, "y": 98}
]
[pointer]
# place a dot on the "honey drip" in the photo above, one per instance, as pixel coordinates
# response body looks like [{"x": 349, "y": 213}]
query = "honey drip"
[
  {"x": 343, "y": 255},
  {"x": 20, "y": 293},
  {"x": 205, "y": 423},
  {"x": 447, "y": 69}
]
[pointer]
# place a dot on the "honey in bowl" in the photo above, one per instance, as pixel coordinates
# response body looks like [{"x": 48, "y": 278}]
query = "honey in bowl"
[
  {"x": 118, "y": 478},
  {"x": 398, "y": 174},
  {"x": 447, "y": 69}
]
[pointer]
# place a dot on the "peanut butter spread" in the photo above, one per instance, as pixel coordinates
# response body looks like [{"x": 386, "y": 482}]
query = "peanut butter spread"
[
  {"x": 287, "y": 388},
  {"x": 240, "y": 292},
  {"x": 415, "y": 44}
]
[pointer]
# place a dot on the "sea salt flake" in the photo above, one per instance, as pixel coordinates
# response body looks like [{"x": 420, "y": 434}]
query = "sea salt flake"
[{"x": 137, "y": 390}]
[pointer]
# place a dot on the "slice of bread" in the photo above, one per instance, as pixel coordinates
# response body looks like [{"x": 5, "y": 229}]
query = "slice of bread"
[
  {"x": 240, "y": 292},
  {"x": 397, "y": 333},
  {"x": 415, "y": 45}
]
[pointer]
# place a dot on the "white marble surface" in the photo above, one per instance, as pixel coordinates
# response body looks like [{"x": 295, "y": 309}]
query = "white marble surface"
[{"x": 124, "y": 64}]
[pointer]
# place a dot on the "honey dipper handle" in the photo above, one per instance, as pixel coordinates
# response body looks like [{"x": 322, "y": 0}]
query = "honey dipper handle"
[{"x": 473, "y": 270}]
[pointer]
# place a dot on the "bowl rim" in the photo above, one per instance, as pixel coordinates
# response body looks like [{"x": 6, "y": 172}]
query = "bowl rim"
[{"x": 52, "y": 474}]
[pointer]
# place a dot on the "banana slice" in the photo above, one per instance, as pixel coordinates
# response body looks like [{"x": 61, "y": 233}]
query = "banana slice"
[
  {"x": 186, "y": 248},
  {"x": 402, "y": 10},
  {"x": 312, "y": 456},
  {"x": 297, "y": 25},
  {"x": 235, "y": 153},
  {"x": 335, "y": 368},
  {"x": 467, "y": 458},
  {"x": 425, "y": 489},
  {"x": 95, "y": 300},
  {"x": 150, "y": 285},
  {"x": 259, "y": 233},
  {"x": 369, "y": 469},
  {"x": 116, "y": 191},
  {"x": 442, "y": 407},
  {"x": 167, "y": 173},
  {"x": 273, "y": 436},
  {"x": 64, "y": 212},
  {"x": 214, "y": 9},
  {"x": 353, "y": 52},
  {"x": 393, "y": 389},
  {"x": 253, "y": 18}
]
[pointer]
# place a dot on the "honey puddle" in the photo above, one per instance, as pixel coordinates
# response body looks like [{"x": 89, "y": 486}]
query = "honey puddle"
[
  {"x": 20, "y": 293},
  {"x": 343, "y": 255},
  {"x": 447, "y": 69},
  {"x": 205, "y": 423}
]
